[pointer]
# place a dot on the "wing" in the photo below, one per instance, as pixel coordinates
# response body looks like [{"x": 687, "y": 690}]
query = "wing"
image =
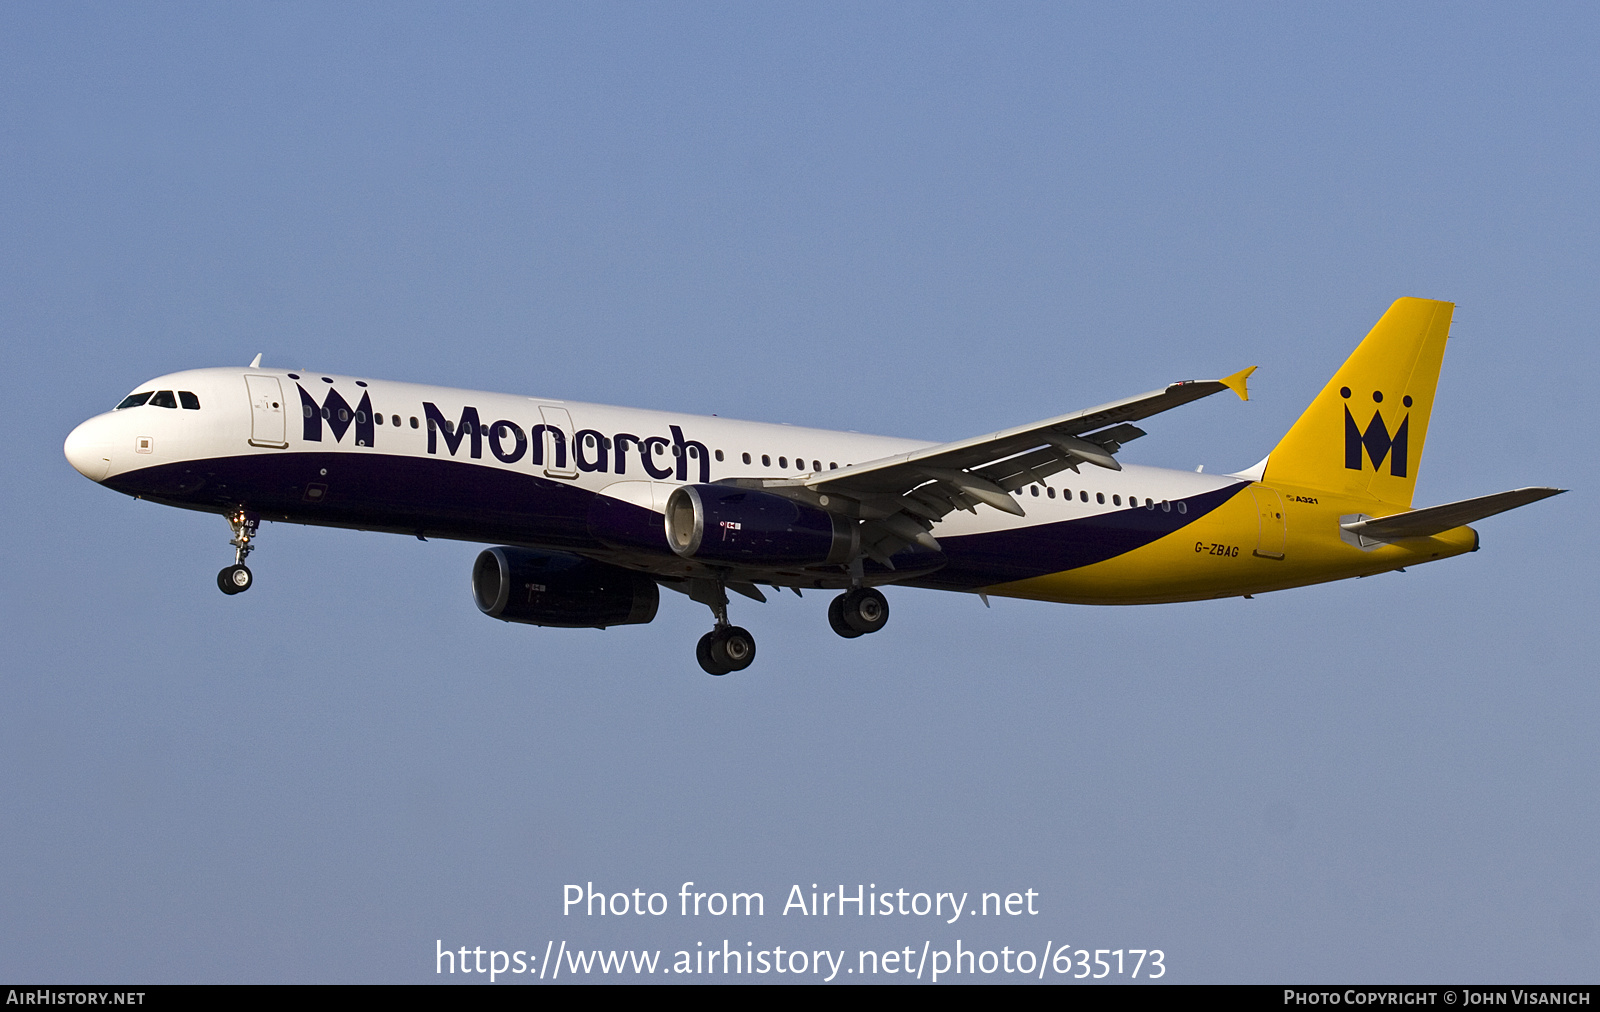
[{"x": 900, "y": 498}]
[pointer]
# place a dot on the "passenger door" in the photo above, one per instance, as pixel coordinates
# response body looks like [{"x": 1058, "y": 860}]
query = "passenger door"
[
  {"x": 1273, "y": 535},
  {"x": 560, "y": 454},
  {"x": 267, "y": 417}
]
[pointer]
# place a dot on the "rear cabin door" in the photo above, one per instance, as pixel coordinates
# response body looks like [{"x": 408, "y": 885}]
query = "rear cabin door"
[
  {"x": 267, "y": 417},
  {"x": 1270, "y": 542}
]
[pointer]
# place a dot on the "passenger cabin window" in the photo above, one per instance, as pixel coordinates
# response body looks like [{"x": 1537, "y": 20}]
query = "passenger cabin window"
[
  {"x": 719, "y": 455},
  {"x": 133, "y": 400},
  {"x": 1100, "y": 497},
  {"x": 189, "y": 400},
  {"x": 164, "y": 399},
  {"x": 746, "y": 457},
  {"x": 1116, "y": 500},
  {"x": 766, "y": 461},
  {"x": 1083, "y": 495}
]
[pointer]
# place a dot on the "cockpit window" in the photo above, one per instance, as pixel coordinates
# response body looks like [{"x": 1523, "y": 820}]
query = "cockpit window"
[
  {"x": 189, "y": 400},
  {"x": 163, "y": 399},
  {"x": 133, "y": 400}
]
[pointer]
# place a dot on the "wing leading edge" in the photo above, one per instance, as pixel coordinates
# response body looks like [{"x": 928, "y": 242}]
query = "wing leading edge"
[{"x": 900, "y": 498}]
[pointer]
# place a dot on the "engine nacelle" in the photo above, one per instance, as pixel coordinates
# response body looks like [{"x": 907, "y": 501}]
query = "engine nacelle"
[
  {"x": 723, "y": 523},
  {"x": 557, "y": 589}
]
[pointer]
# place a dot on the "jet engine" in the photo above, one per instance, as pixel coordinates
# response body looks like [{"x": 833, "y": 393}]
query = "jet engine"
[
  {"x": 558, "y": 589},
  {"x": 727, "y": 524}
]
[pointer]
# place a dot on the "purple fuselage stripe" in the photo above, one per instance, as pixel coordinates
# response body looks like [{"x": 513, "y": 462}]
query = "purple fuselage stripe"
[{"x": 463, "y": 501}]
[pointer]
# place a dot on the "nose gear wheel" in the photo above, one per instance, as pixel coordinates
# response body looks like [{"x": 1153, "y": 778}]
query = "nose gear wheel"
[{"x": 237, "y": 578}]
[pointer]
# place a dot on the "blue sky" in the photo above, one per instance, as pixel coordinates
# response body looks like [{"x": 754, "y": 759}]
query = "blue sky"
[{"x": 920, "y": 220}]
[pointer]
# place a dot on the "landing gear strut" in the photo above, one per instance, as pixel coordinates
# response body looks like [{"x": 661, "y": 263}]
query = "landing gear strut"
[
  {"x": 858, "y": 612},
  {"x": 237, "y": 578},
  {"x": 727, "y": 647}
]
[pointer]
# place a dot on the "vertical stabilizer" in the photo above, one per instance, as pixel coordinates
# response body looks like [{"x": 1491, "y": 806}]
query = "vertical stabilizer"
[{"x": 1363, "y": 434}]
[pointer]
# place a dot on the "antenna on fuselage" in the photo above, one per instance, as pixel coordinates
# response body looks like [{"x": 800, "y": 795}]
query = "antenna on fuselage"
[{"x": 255, "y": 363}]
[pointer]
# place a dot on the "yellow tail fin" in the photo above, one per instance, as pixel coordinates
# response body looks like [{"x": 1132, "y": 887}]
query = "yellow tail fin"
[{"x": 1363, "y": 434}]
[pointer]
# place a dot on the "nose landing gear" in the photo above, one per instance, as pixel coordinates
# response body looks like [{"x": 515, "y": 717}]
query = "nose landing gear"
[
  {"x": 237, "y": 578},
  {"x": 727, "y": 647}
]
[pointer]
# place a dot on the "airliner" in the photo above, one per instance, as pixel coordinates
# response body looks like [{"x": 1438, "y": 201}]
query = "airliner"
[{"x": 590, "y": 510}]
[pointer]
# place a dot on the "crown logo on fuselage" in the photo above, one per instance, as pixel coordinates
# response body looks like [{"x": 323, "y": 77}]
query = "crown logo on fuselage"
[{"x": 339, "y": 415}]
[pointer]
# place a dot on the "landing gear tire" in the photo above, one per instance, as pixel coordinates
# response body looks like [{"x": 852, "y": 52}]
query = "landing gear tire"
[
  {"x": 702, "y": 653},
  {"x": 725, "y": 649},
  {"x": 235, "y": 579},
  {"x": 836, "y": 618},
  {"x": 864, "y": 610},
  {"x": 733, "y": 648}
]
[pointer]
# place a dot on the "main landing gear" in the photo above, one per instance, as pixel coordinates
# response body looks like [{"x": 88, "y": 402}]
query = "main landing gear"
[
  {"x": 727, "y": 647},
  {"x": 858, "y": 612},
  {"x": 724, "y": 649},
  {"x": 237, "y": 578}
]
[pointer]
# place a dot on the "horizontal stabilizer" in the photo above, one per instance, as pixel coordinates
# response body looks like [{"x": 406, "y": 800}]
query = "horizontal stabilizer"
[{"x": 1437, "y": 519}]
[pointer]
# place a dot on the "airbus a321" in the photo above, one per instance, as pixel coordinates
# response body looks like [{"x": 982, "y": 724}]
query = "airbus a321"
[{"x": 592, "y": 509}]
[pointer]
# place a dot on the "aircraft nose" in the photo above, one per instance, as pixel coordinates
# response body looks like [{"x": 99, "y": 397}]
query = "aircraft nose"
[{"x": 88, "y": 448}]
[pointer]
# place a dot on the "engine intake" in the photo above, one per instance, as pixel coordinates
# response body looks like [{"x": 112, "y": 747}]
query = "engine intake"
[
  {"x": 558, "y": 589},
  {"x": 721, "y": 523}
]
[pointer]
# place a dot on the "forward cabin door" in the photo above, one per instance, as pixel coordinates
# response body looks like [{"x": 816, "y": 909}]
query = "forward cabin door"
[
  {"x": 267, "y": 417},
  {"x": 1270, "y": 542}
]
